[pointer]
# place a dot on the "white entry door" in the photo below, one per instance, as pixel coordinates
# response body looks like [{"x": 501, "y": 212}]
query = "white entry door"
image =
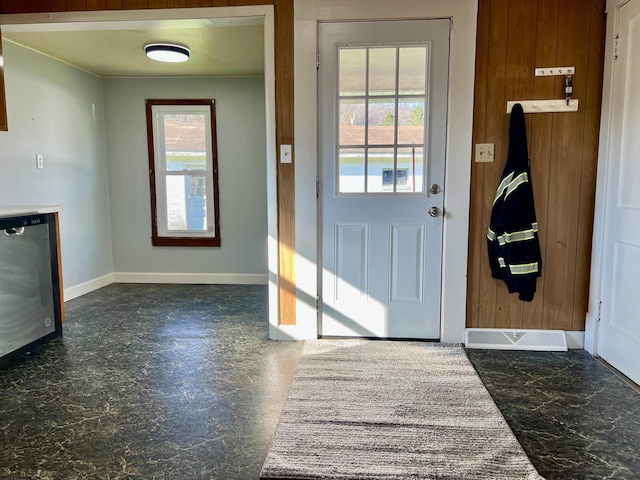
[
  {"x": 619, "y": 332},
  {"x": 383, "y": 116}
]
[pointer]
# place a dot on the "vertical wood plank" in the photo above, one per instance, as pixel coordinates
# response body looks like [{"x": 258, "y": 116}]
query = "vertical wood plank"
[
  {"x": 59, "y": 5},
  {"x": 565, "y": 171},
  {"x": 24, "y": 6},
  {"x": 477, "y": 234},
  {"x": 541, "y": 138},
  {"x": 60, "y": 279},
  {"x": 76, "y": 5},
  {"x": 114, "y": 4},
  {"x": 592, "y": 104},
  {"x": 94, "y": 5},
  {"x": 135, "y": 4},
  {"x": 261, "y": 2},
  {"x": 239, "y": 3},
  {"x": 283, "y": 13},
  {"x": 157, "y": 3},
  {"x": 496, "y": 106},
  {"x": 176, "y": 3},
  {"x": 3, "y": 99},
  {"x": 519, "y": 85}
]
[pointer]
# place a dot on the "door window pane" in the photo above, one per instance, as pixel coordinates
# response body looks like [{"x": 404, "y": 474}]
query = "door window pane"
[
  {"x": 380, "y": 172},
  {"x": 352, "y": 119},
  {"x": 382, "y": 121},
  {"x": 411, "y": 121},
  {"x": 382, "y": 71},
  {"x": 351, "y": 170},
  {"x": 412, "y": 67},
  {"x": 353, "y": 72},
  {"x": 410, "y": 170}
]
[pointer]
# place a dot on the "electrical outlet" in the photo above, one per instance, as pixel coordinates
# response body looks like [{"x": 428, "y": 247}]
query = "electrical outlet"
[
  {"x": 484, "y": 152},
  {"x": 39, "y": 161}
]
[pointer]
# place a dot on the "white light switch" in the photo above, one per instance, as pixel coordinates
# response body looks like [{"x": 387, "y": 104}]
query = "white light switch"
[
  {"x": 39, "y": 161},
  {"x": 484, "y": 152},
  {"x": 285, "y": 153}
]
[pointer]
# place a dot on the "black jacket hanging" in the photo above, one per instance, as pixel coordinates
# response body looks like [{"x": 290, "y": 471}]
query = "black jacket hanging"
[{"x": 514, "y": 248}]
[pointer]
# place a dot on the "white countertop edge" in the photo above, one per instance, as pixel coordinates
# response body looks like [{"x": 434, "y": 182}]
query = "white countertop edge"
[{"x": 18, "y": 210}]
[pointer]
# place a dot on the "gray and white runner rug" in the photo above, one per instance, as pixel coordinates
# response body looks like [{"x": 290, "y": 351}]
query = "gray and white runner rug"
[{"x": 362, "y": 409}]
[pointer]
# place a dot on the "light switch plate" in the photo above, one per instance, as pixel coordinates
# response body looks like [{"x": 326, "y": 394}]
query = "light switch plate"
[
  {"x": 285, "y": 153},
  {"x": 484, "y": 152}
]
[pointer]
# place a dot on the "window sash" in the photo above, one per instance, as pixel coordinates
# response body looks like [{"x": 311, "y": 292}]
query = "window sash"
[{"x": 160, "y": 173}]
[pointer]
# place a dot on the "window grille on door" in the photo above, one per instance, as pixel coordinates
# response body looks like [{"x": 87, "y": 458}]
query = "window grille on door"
[{"x": 382, "y": 112}]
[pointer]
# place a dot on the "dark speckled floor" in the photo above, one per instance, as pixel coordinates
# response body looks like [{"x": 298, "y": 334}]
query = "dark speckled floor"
[
  {"x": 575, "y": 418},
  {"x": 150, "y": 382},
  {"x": 181, "y": 382}
]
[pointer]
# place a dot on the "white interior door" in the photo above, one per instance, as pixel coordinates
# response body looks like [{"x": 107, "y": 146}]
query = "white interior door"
[
  {"x": 619, "y": 332},
  {"x": 383, "y": 116}
]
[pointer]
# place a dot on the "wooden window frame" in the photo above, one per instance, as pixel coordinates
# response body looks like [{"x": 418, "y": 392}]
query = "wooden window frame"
[{"x": 212, "y": 240}]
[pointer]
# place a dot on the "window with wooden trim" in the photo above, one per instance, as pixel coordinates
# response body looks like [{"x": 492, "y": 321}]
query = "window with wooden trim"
[{"x": 183, "y": 172}]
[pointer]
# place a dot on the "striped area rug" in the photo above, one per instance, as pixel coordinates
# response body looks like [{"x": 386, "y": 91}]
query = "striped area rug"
[{"x": 361, "y": 409}]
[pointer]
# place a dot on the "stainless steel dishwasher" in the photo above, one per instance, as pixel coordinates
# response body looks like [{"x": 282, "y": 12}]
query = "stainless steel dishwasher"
[{"x": 30, "y": 311}]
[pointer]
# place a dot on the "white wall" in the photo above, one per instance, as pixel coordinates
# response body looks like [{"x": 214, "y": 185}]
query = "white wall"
[
  {"x": 240, "y": 114},
  {"x": 58, "y": 111}
]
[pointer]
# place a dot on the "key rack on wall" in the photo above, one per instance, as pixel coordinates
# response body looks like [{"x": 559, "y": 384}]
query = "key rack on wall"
[{"x": 568, "y": 104}]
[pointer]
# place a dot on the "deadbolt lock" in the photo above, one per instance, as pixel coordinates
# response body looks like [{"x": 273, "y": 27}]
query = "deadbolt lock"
[{"x": 435, "y": 189}]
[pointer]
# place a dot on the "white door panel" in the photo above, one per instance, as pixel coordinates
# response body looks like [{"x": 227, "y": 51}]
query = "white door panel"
[
  {"x": 619, "y": 333},
  {"x": 383, "y": 109}
]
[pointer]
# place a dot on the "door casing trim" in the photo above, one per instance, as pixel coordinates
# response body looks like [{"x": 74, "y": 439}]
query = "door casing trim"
[{"x": 463, "y": 14}]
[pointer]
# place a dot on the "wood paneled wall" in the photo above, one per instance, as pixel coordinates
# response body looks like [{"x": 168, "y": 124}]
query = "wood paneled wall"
[
  {"x": 514, "y": 38},
  {"x": 283, "y": 15}
]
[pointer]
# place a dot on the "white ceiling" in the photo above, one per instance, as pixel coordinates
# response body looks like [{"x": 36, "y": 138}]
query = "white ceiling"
[{"x": 219, "y": 47}]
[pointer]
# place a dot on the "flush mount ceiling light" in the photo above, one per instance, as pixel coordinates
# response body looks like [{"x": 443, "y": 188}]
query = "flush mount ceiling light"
[{"x": 165, "y": 52}]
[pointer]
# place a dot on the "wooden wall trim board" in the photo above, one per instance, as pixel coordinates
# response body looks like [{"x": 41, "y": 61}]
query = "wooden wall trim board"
[
  {"x": 515, "y": 37},
  {"x": 283, "y": 11},
  {"x": 59, "y": 253},
  {"x": 3, "y": 100},
  {"x": 284, "y": 55}
]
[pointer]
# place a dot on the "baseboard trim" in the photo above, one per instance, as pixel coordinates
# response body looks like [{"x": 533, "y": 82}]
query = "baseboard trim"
[
  {"x": 575, "y": 340},
  {"x": 87, "y": 287},
  {"x": 192, "y": 278}
]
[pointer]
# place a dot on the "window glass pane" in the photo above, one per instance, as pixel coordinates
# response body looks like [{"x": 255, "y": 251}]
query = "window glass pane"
[
  {"x": 412, "y": 68},
  {"x": 410, "y": 169},
  {"x": 380, "y": 175},
  {"x": 351, "y": 166},
  {"x": 382, "y": 121},
  {"x": 185, "y": 141},
  {"x": 411, "y": 121},
  {"x": 382, "y": 71},
  {"x": 186, "y": 203},
  {"x": 352, "y": 122},
  {"x": 353, "y": 69}
]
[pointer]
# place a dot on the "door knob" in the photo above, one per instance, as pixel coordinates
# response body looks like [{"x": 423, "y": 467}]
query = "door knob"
[
  {"x": 435, "y": 189},
  {"x": 435, "y": 212}
]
